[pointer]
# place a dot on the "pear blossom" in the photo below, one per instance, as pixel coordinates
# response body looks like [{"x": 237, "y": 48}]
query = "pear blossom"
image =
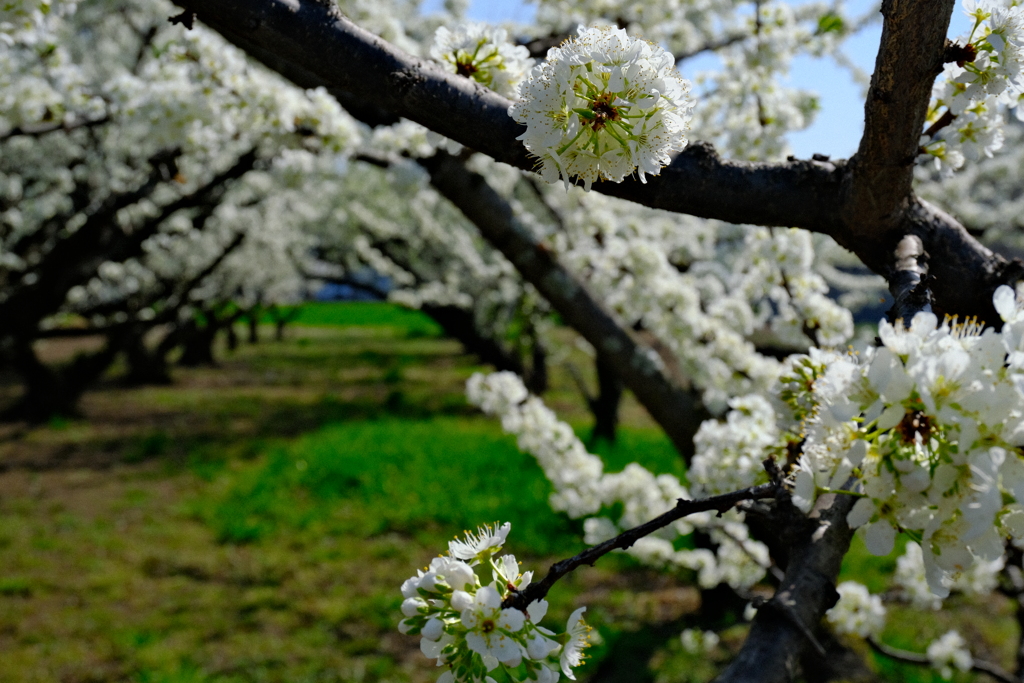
[
  {"x": 480, "y": 544},
  {"x": 490, "y": 628},
  {"x": 463, "y": 625},
  {"x": 950, "y": 652},
  {"x": 697, "y": 642},
  {"x": 578, "y": 639},
  {"x": 482, "y": 53},
  {"x": 857, "y": 612},
  {"x": 603, "y": 106}
]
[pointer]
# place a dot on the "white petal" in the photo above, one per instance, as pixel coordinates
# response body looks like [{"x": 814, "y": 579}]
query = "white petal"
[{"x": 879, "y": 538}]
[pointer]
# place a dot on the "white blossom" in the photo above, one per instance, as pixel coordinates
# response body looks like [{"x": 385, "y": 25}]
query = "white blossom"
[{"x": 602, "y": 106}]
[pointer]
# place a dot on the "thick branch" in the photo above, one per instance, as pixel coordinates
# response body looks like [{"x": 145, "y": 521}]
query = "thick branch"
[
  {"x": 310, "y": 43},
  {"x": 671, "y": 407},
  {"x": 781, "y": 631},
  {"x": 909, "y": 59},
  {"x": 683, "y": 508}
]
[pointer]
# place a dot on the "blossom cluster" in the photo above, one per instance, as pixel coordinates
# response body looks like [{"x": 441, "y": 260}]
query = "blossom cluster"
[
  {"x": 974, "y": 89},
  {"x": 949, "y": 652},
  {"x": 708, "y": 293},
  {"x": 912, "y": 582},
  {"x": 602, "y": 106},
  {"x": 929, "y": 423},
  {"x": 857, "y": 612},
  {"x": 583, "y": 489},
  {"x": 465, "y": 626},
  {"x": 483, "y": 54}
]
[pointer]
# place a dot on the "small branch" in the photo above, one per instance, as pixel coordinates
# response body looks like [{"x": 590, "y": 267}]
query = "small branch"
[
  {"x": 947, "y": 118},
  {"x": 185, "y": 19},
  {"x": 711, "y": 46},
  {"x": 63, "y": 127},
  {"x": 908, "y": 282},
  {"x": 922, "y": 660},
  {"x": 683, "y": 508}
]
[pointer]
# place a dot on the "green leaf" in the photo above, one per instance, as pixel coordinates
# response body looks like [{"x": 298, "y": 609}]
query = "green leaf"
[{"x": 831, "y": 23}]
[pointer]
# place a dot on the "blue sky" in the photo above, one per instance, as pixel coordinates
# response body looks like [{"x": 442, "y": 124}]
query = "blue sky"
[{"x": 838, "y": 126}]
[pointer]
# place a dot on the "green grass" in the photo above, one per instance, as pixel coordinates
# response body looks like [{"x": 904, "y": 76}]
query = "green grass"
[
  {"x": 253, "y": 523},
  {"x": 365, "y": 314},
  {"x": 428, "y": 479}
]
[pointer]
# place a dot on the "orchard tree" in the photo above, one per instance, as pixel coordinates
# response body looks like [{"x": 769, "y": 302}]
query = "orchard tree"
[
  {"x": 919, "y": 434},
  {"x": 129, "y": 156},
  {"x": 695, "y": 292}
]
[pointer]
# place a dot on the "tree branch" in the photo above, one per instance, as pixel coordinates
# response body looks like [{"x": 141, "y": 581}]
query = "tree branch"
[
  {"x": 779, "y": 634},
  {"x": 909, "y": 58},
  {"x": 312, "y": 44},
  {"x": 922, "y": 660},
  {"x": 39, "y": 131},
  {"x": 673, "y": 408},
  {"x": 75, "y": 258},
  {"x": 723, "y": 503}
]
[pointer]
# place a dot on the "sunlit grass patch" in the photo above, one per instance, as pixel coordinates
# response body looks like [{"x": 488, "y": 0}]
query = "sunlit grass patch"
[
  {"x": 425, "y": 478},
  {"x": 366, "y": 314}
]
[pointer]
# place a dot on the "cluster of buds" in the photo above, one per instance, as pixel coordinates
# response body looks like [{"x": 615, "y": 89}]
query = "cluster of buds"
[{"x": 465, "y": 625}]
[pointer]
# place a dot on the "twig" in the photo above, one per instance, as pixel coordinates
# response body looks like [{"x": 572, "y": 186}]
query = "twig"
[
  {"x": 43, "y": 130},
  {"x": 770, "y": 567},
  {"x": 947, "y": 118},
  {"x": 711, "y": 46},
  {"x": 683, "y": 508},
  {"x": 922, "y": 660}
]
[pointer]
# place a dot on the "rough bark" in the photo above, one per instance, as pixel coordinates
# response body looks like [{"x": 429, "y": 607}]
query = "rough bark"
[{"x": 779, "y": 634}]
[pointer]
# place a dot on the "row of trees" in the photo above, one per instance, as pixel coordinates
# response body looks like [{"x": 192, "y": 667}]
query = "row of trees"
[{"x": 152, "y": 176}]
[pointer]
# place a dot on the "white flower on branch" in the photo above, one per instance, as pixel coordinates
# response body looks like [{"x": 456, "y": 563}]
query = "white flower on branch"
[
  {"x": 483, "y": 54},
  {"x": 949, "y": 652},
  {"x": 602, "y": 106},
  {"x": 857, "y": 612},
  {"x": 464, "y": 625}
]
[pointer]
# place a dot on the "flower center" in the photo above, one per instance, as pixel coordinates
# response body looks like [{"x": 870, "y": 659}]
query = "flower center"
[
  {"x": 603, "y": 111},
  {"x": 488, "y": 626},
  {"x": 465, "y": 68},
  {"x": 915, "y": 422}
]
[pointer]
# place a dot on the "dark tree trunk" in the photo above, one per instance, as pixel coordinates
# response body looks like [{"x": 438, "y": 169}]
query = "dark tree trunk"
[
  {"x": 232, "y": 336},
  {"x": 51, "y": 392},
  {"x": 145, "y": 366},
  {"x": 254, "y": 325},
  {"x": 198, "y": 344},
  {"x": 605, "y": 407},
  {"x": 459, "y": 324},
  {"x": 537, "y": 379}
]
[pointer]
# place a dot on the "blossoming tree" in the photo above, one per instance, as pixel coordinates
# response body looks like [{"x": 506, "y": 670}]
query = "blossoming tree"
[{"x": 697, "y": 293}]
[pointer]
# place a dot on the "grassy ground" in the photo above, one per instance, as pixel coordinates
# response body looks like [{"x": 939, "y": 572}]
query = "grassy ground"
[{"x": 253, "y": 521}]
